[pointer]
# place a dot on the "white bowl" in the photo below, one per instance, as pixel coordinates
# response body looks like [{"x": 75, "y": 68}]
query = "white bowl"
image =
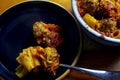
[{"x": 91, "y": 32}]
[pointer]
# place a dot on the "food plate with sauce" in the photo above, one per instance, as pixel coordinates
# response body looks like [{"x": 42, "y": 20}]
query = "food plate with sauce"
[
  {"x": 16, "y": 33},
  {"x": 104, "y": 31}
]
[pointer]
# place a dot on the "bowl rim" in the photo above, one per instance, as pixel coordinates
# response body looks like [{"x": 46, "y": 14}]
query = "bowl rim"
[{"x": 88, "y": 28}]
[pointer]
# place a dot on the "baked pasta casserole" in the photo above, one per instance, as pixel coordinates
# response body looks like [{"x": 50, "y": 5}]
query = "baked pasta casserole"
[{"x": 101, "y": 15}]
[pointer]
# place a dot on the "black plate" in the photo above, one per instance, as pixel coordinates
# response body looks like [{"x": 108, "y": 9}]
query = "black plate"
[{"x": 16, "y": 32}]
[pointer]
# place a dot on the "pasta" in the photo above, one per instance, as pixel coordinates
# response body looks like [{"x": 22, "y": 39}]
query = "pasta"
[
  {"x": 44, "y": 56},
  {"x": 32, "y": 57},
  {"x": 101, "y": 15},
  {"x": 116, "y": 34},
  {"x": 91, "y": 21}
]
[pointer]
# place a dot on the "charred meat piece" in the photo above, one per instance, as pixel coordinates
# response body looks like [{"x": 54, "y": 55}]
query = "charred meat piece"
[
  {"x": 108, "y": 25},
  {"x": 105, "y": 9},
  {"x": 47, "y": 34},
  {"x": 89, "y": 5}
]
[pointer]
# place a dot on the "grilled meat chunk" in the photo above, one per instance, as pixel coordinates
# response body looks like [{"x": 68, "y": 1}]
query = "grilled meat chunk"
[
  {"x": 47, "y": 34},
  {"x": 89, "y": 5},
  {"x": 105, "y": 9},
  {"x": 108, "y": 25}
]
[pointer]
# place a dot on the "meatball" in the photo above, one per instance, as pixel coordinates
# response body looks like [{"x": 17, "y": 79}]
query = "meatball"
[
  {"x": 105, "y": 9},
  {"x": 47, "y": 34},
  {"x": 89, "y": 6},
  {"x": 108, "y": 25}
]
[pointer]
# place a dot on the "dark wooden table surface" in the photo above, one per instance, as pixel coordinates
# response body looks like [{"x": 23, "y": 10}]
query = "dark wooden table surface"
[{"x": 95, "y": 56}]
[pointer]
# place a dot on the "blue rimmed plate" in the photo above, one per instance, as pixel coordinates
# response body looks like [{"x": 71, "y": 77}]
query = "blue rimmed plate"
[{"x": 16, "y": 33}]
